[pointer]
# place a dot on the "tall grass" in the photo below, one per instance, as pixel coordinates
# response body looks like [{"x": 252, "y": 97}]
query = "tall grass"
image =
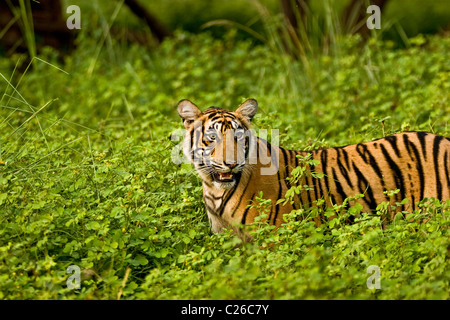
[
  {"x": 22, "y": 15},
  {"x": 301, "y": 49},
  {"x": 25, "y": 126},
  {"x": 27, "y": 26}
]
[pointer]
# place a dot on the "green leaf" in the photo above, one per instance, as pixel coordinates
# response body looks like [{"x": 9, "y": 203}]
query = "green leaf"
[
  {"x": 186, "y": 240},
  {"x": 3, "y": 197},
  {"x": 92, "y": 225},
  {"x": 139, "y": 260}
]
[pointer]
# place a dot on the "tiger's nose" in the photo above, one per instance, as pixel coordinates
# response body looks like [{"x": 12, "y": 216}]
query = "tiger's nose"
[{"x": 231, "y": 165}]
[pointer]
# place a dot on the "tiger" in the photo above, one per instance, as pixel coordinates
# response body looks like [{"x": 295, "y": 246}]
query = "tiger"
[{"x": 235, "y": 166}]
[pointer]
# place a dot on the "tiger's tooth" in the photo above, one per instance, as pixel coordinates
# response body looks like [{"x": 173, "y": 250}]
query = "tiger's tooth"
[{"x": 225, "y": 175}]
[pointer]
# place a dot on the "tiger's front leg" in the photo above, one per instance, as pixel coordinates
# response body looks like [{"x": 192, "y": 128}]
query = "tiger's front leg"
[{"x": 217, "y": 223}]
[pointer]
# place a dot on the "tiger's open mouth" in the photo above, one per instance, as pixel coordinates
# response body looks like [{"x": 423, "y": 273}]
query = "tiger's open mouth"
[{"x": 223, "y": 176}]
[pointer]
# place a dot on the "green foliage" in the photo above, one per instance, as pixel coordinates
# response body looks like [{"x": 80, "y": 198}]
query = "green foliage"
[
  {"x": 297, "y": 178},
  {"x": 86, "y": 176}
]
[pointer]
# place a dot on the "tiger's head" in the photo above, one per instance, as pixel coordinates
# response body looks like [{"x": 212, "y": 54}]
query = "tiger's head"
[{"x": 218, "y": 141}]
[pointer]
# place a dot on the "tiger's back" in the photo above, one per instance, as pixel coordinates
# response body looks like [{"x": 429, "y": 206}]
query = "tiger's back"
[{"x": 416, "y": 163}]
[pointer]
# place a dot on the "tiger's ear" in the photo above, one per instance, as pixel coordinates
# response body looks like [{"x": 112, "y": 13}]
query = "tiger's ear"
[
  {"x": 188, "y": 111},
  {"x": 248, "y": 109}
]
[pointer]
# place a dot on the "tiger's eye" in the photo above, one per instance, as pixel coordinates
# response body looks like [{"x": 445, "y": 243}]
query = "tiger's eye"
[
  {"x": 239, "y": 134},
  {"x": 210, "y": 137}
]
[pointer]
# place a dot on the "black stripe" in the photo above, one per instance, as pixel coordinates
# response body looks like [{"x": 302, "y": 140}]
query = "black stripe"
[
  {"x": 407, "y": 143},
  {"x": 243, "y": 193},
  {"x": 342, "y": 169},
  {"x": 290, "y": 160},
  {"x": 398, "y": 176},
  {"x": 421, "y": 137},
  {"x": 339, "y": 186},
  {"x": 374, "y": 164},
  {"x": 447, "y": 168},
  {"x": 437, "y": 141},
  {"x": 342, "y": 153},
  {"x": 410, "y": 146},
  {"x": 293, "y": 158},
  {"x": 244, "y": 216},
  {"x": 321, "y": 191},
  {"x": 286, "y": 168},
  {"x": 203, "y": 129},
  {"x": 370, "y": 159},
  {"x": 209, "y": 199},
  {"x": 346, "y": 158},
  {"x": 209, "y": 209},
  {"x": 361, "y": 153},
  {"x": 317, "y": 187},
  {"x": 364, "y": 187},
  {"x": 323, "y": 159},
  {"x": 268, "y": 146},
  {"x": 212, "y": 196},
  {"x": 277, "y": 206},
  {"x": 393, "y": 142},
  {"x": 246, "y": 147},
  {"x": 192, "y": 144},
  {"x": 213, "y": 110},
  {"x": 230, "y": 115},
  {"x": 215, "y": 117},
  {"x": 207, "y": 183},
  {"x": 225, "y": 200},
  {"x": 309, "y": 183},
  {"x": 296, "y": 160}
]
